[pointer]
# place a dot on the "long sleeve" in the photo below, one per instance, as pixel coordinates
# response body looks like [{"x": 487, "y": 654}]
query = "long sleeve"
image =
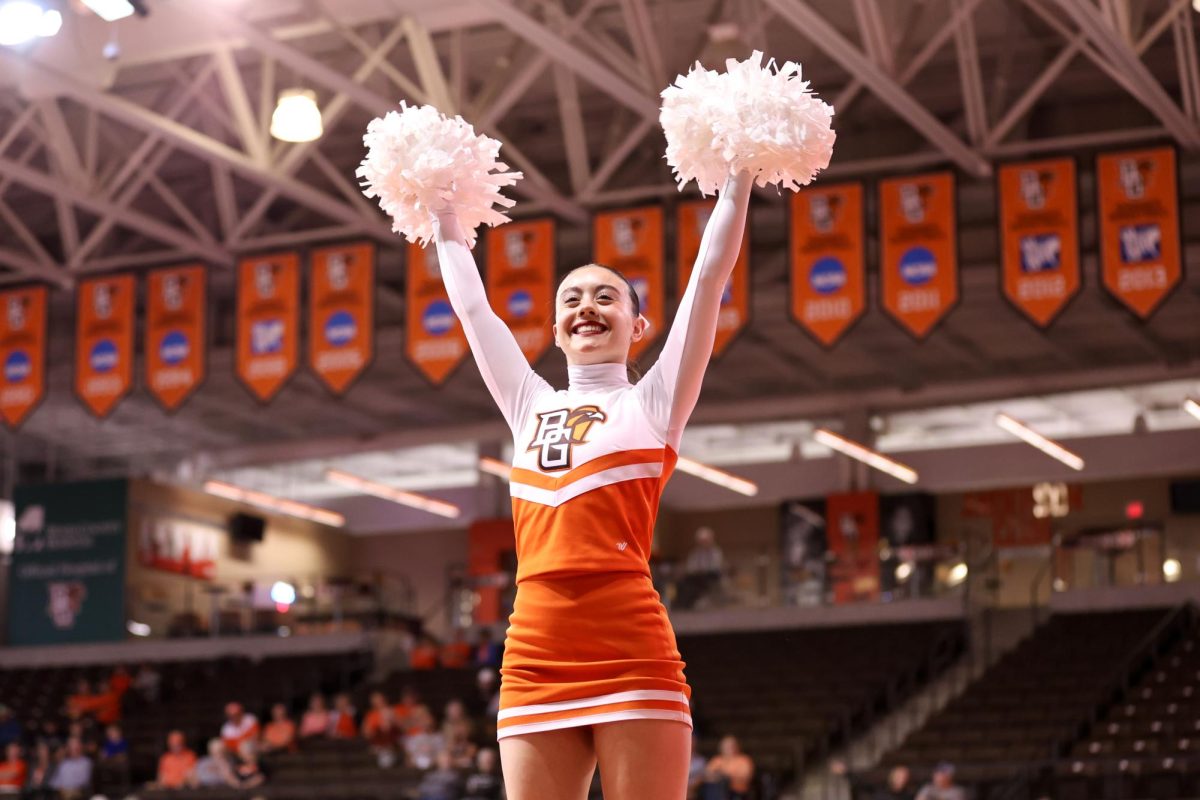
[
  {"x": 505, "y": 370},
  {"x": 672, "y": 386}
]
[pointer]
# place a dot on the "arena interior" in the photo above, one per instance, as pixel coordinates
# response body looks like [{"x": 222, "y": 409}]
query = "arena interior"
[{"x": 935, "y": 530}]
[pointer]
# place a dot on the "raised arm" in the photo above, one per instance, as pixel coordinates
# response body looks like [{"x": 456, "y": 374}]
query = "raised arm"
[
  {"x": 672, "y": 385},
  {"x": 504, "y": 367}
]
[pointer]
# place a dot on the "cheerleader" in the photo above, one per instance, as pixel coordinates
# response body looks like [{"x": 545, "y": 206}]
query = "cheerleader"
[{"x": 591, "y": 674}]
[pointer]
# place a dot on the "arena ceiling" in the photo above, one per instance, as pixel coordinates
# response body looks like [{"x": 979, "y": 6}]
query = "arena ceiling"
[{"x": 161, "y": 154}]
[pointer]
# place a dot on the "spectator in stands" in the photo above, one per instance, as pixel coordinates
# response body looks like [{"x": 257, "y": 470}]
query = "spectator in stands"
[
  {"x": 148, "y": 683},
  {"x": 72, "y": 776},
  {"x": 280, "y": 732},
  {"x": 422, "y": 744},
  {"x": 85, "y": 733},
  {"x": 729, "y": 773},
  {"x": 106, "y": 704},
  {"x": 214, "y": 770},
  {"x": 485, "y": 782},
  {"x": 441, "y": 783},
  {"x": 115, "y": 746},
  {"x": 460, "y": 747},
  {"x": 120, "y": 680},
  {"x": 424, "y": 654},
  {"x": 175, "y": 765},
  {"x": 456, "y": 653},
  {"x": 248, "y": 773},
  {"x": 899, "y": 786},
  {"x": 50, "y": 736},
  {"x": 410, "y": 702},
  {"x": 487, "y": 652},
  {"x": 10, "y": 727},
  {"x": 41, "y": 771},
  {"x": 942, "y": 786},
  {"x": 384, "y": 735},
  {"x": 315, "y": 721},
  {"x": 81, "y": 702},
  {"x": 377, "y": 706},
  {"x": 703, "y": 569},
  {"x": 240, "y": 726},
  {"x": 13, "y": 770},
  {"x": 489, "y": 694},
  {"x": 344, "y": 724},
  {"x": 456, "y": 722}
]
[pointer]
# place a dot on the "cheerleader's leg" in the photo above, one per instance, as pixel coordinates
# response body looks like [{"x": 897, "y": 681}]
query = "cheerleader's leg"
[
  {"x": 554, "y": 764},
  {"x": 643, "y": 758}
]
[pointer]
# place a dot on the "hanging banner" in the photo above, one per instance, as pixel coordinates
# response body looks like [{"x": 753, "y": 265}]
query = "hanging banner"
[
  {"x": 828, "y": 258},
  {"x": 176, "y": 341},
  {"x": 802, "y": 545},
  {"x": 435, "y": 344},
  {"x": 520, "y": 281},
  {"x": 67, "y": 579},
  {"x": 1039, "y": 236},
  {"x": 692, "y": 218},
  {"x": 1140, "y": 251},
  {"x": 268, "y": 327},
  {"x": 852, "y": 525},
  {"x": 918, "y": 250},
  {"x": 22, "y": 352},
  {"x": 631, "y": 241},
  {"x": 104, "y": 312},
  {"x": 180, "y": 546},
  {"x": 341, "y": 313}
]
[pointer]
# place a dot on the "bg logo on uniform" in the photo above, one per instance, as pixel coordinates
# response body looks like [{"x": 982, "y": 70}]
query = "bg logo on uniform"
[{"x": 560, "y": 430}]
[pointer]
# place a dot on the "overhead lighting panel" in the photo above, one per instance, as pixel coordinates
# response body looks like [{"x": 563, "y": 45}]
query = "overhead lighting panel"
[
  {"x": 23, "y": 21},
  {"x": 411, "y": 499},
  {"x": 1189, "y": 405},
  {"x": 866, "y": 455},
  {"x": 111, "y": 10},
  {"x": 494, "y": 466},
  {"x": 720, "y": 477},
  {"x": 1035, "y": 439},
  {"x": 280, "y": 505}
]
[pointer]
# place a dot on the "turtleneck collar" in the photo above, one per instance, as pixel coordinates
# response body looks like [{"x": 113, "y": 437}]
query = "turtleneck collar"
[{"x": 597, "y": 377}]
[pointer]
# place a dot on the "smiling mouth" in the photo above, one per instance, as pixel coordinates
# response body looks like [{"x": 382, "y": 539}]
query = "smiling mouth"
[{"x": 589, "y": 329}]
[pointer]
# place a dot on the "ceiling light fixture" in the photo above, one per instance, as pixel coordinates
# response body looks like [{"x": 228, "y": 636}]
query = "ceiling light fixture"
[
  {"x": 23, "y": 21},
  {"x": 1032, "y": 437},
  {"x": 280, "y": 505},
  {"x": 111, "y": 10},
  {"x": 494, "y": 466},
  {"x": 720, "y": 477},
  {"x": 1189, "y": 405},
  {"x": 866, "y": 455},
  {"x": 410, "y": 499},
  {"x": 297, "y": 117}
]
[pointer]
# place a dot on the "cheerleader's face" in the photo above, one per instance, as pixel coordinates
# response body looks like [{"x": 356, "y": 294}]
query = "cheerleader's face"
[{"x": 594, "y": 318}]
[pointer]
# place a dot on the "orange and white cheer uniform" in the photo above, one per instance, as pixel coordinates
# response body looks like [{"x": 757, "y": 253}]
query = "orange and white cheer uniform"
[{"x": 589, "y": 641}]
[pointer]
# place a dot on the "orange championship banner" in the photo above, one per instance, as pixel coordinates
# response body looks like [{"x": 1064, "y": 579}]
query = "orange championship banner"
[
  {"x": 828, "y": 260},
  {"x": 22, "y": 352},
  {"x": 1039, "y": 236},
  {"x": 104, "y": 315},
  {"x": 520, "y": 281},
  {"x": 268, "y": 322},
  {"x": 918, "y": 250},
  {"x": 341, "y": 313},
  {"x": 852, "y": 531},
  {"x": 692, "y": 219},
  {"x": 1141, "y": 259},
  {"x": 435, "y": 343},
  {"x": 176, "y": 333},
  {"x": 631, "y": 240}
]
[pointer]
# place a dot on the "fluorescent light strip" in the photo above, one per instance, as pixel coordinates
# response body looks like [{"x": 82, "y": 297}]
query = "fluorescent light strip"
[
  {"x": 720, "y": 477},
  {"x": 110, "y": 10},
  {"x": 865, "y": 454},
  {"x": 292, "y": 508},
  {"x": 1192, "y": 407},
  {"x": 494, "y": 466},
  {"x": 411, "y": 499},
  {"x": 1032, "y": 437}
]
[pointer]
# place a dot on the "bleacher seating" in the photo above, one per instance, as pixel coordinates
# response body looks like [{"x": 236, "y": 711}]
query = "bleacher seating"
[{"x": 788, "y": 695}]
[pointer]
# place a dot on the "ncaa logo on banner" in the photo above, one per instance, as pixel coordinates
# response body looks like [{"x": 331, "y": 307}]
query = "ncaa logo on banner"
[
  {"x": 174, "y": 348},
  {"x": 828, "y": 275},
  {"x": 17, "y": 367},
  {"x": 438, "y": 318},
  {"x": 340, "y": 329},
  {"x": 1041, "y": 253},
  {"x": 918, "y": 266}
]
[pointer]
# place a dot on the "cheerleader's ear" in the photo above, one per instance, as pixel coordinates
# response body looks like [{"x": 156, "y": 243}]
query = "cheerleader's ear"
[{"x": 640, "y": 326}]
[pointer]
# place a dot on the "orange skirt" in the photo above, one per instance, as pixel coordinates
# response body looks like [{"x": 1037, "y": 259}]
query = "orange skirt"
[{"x": 586, "y": 650}]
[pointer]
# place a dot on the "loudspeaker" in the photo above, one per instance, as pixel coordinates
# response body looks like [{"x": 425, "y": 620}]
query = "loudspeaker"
[
  {"x": 246, "y": 528},
  {"x": 1185, "y": 497}
]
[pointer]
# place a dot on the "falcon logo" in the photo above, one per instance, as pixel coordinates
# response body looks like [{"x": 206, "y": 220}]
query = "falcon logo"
[{"x": 559, "y": 430}]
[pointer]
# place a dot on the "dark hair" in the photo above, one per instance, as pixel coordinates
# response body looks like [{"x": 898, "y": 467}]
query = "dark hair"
[{"x": 631, "y": 366}]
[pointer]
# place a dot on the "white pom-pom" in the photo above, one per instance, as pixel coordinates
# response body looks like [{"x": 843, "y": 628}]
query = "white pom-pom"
[
  {"x": 761, "y": 120},
  {"x": 419, "y": 162}
]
